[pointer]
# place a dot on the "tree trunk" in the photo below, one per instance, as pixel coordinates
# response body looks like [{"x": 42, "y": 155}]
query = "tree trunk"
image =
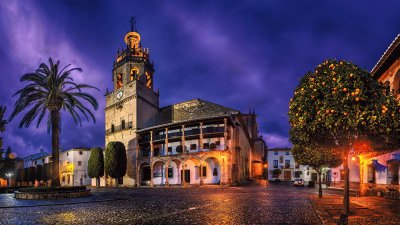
[
  {"x": 116, "y": 182},
  {"x": 319, "y": 171},
  {"x": 346, "y": 200},
  {"x": 55, "y": 145},
  {"x": 97, "y": 182}
]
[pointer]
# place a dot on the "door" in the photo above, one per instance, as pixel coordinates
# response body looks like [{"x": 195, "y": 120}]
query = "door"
[
  {"x": 395, "y": 173},
  {"x": 187, "y": 176},
  {"x": 287, "y": 175},
  {"x": 314, "y": 177}
]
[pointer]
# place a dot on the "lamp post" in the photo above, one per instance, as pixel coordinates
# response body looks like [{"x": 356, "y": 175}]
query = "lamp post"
[{"x": 9, "y": 175}]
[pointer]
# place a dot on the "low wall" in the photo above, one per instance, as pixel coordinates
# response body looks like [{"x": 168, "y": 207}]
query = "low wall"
[{"x": 51, "y": 195}]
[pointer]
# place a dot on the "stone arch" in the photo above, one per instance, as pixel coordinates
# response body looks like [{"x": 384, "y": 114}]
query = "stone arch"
[
  {"x": 213, "y": 170},
  {"x": 159, "y": 173},
  {"x": 144, "y": 174},
  {"x": 396, "y": 82}
]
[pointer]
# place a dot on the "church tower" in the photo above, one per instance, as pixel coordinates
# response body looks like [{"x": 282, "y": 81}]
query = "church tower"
[{"x": 133, "y": 104}]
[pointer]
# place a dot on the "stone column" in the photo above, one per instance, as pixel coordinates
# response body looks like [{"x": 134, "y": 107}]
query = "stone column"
[
  {"x": 201, "y": 174},
  {"x": 225, "y": 133},
  {"x": 151, "y": 175},
  {"x": 166, "y": 174},
  {"x": 166, "y": 142},
  {"x": 183, "y": 139},
  {"x": 151, "y": 146},
  {"x": 201, "y": 137}
]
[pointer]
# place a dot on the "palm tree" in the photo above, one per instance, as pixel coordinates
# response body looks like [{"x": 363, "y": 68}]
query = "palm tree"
[
  {"x": 49, "y": 90},
  {"x": 3, "y": 124}
]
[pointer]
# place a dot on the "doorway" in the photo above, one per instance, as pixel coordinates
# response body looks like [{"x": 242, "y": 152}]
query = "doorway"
[
  {"x": 186, "y": 176},
  {"x": 287, "y": 175}
]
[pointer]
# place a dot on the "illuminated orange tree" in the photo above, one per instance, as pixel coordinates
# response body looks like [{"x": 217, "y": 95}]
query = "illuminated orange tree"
[{"x": 339, "y": 105}]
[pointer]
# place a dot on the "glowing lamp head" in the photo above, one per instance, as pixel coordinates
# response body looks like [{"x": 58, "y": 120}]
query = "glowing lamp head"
[{"x": 353, "y": 158}]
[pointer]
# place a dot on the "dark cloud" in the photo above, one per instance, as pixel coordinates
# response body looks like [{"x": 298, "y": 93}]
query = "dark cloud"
[{"x": 236, "y": 53}]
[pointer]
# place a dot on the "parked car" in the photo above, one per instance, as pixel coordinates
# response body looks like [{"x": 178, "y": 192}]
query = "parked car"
[{"x": 298, "y": 182}]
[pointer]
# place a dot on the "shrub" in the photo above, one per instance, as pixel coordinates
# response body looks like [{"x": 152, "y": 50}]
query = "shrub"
[
  {"x": 179, "y": 148},
  {"x": 276, "y": 172},
  {"x": 115, "y": 160},
  {"x": 38, "y": 174},
  {"x": 96, "y": 164}
]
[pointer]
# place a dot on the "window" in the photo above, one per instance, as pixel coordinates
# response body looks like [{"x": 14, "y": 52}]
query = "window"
[
  {"x": 218, "y": 142},
  {"x": 371, "y": 174},
  {"x": 170, "y": 172},
  {"x": 35, "y": 163},
  {"x": 215, "y": 172},
  {"x": 169, "y": 150},
  {"x": 85, "y": 175},
  {"x": 193, "y": 147},
  {"x": 51, "y": 159},
  {"x": 206, "y": 145},
  {"x": 276, "y": 153},
  {"x": 123, "y": 124},
  {"x": 68, "y": 178},
  {"x": 156, "y": 151},
  {"x": 67, "y": 153},
  {"x": 42, "y": 161},
  {"x": 63, "y": 179},
  {"x": 287, "y": 163},
  {"x": 79, "y": 163},
  {"x": 112, "y": 128},
  {"x": 134, "y": 72},
  {"x": 204, "y": 170},
  {"x": 275, "y": 163},
  {"x": 287, "y": 153},
  {"x": 342, "y": 174},
  {"x": 80, "y": 153}
]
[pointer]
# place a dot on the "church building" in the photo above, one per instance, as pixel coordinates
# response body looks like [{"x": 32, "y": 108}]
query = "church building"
[{"x": 194, "y": 142}]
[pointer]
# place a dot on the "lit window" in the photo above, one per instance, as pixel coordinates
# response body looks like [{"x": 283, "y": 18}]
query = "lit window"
[{"x": 119, "y": 81}]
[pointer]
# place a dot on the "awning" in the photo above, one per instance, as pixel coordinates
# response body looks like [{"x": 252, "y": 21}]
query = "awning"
[
  {"x": 396, "y": 159},
  {"x": 378, "y": 167}
]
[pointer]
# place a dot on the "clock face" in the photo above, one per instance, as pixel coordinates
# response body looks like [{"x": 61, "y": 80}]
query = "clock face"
[{"x": 120, "y": 94}]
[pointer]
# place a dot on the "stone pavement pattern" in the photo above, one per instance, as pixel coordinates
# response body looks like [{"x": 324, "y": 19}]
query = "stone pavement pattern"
[
  {"x": 364, "y": 210},
  {"x": 279, "y": 203}
]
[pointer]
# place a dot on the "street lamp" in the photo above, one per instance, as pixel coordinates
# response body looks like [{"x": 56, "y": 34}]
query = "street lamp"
[{"x": 9, "y": 175}]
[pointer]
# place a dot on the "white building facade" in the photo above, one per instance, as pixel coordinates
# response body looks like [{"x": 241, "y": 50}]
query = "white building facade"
[{"x": 74, "y": 167}]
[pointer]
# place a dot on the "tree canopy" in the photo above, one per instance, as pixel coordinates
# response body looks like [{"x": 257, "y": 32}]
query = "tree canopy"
[
  {"x": 96, "y": 164},
  {"x": 115, "y": 159},
  {"x": 339, "y": 105}
]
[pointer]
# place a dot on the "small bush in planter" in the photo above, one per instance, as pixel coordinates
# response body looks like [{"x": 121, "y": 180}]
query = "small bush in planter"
[
  {"x": 276, "y": 172},
  {"x": 213, "y": 146},
  {"x": 180, "y": 148},
  {"x": 53, "y": 189}
]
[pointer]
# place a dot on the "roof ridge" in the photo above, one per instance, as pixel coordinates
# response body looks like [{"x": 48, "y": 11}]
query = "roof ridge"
[{"x": 391, "y": 46}]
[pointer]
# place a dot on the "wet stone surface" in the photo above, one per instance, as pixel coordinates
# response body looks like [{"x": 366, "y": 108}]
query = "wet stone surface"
[{"x": 279, "y": 203}]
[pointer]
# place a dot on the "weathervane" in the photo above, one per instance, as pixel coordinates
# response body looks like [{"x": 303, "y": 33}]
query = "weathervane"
[{"x": 132, "y": 21}]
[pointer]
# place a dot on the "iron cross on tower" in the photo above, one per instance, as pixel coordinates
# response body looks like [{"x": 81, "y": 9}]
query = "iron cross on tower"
[{"x": 132, "y": 21}]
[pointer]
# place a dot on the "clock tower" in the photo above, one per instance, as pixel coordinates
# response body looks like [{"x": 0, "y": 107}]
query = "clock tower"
[{"x": 133, "y": 104}]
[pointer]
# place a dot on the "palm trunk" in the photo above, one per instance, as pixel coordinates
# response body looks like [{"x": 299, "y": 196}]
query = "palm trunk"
[
  {"x": 320, "y": 183},
  {"x": 116, "y": 182},
  {"x": 97, "y": 182},
  {"x": 55, "y": 145},
  {"x": 346, "y": 200}
]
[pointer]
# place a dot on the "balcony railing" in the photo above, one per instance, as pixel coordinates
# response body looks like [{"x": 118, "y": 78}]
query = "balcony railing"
[
  {"x": 121, "y": 127},
  {"x": 211, "y": 130}
]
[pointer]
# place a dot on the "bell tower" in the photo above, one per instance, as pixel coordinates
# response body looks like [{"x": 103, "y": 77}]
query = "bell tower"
[{"x": 133, "y": 104}]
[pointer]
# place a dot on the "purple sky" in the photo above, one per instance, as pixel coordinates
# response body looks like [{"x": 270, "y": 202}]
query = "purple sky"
[{"x": 239, "y": 54}]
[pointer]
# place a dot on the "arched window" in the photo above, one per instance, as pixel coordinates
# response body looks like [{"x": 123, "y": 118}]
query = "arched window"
[
  {"x": 215, "y": 172},
  {"x": 119, "y": 81},
  {"x": 134, "y": 73}
]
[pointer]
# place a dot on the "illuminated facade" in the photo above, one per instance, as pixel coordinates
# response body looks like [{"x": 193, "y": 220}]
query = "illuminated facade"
[{"x": 192, "y": 142}]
